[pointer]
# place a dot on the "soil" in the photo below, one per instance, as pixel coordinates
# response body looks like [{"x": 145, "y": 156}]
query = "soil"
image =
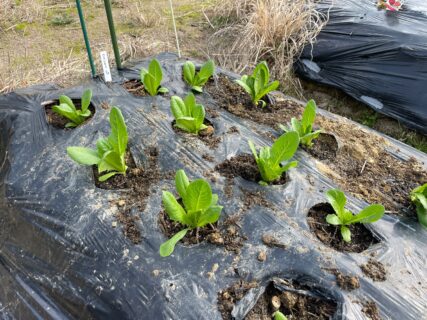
[
  {"x": 362, "y": 166},
  {"x": 135, "y": 87},
  {"x": 346, "y": 282},
  {"x": 245, "y": 166},
  {"x": 207, "y": 136},
  {"x": 225, "y": 233},
  {"x": 271, "y": 241},
  {"x": 227, "y": 298},
  {"x": 374, "y": 270},
  {"x": 294, "y": 305},
  {"x": 254, "y": 198},
  {"x": 59, "y": 121},
  {"x": 370, "y": 309},
  {"x": 361, "y": 237},
  {"x": 137, "y": 185},
  {"x": 325, "y": 147}
]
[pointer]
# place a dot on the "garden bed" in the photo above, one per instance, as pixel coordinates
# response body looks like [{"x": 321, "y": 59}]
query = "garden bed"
[{"x": 70, "y": 249}]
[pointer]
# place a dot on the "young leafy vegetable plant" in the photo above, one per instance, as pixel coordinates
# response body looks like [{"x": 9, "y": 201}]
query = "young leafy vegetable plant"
[
  {"x": 270, "y": 158},
  {"x": 304, "y": 127},
  {"x": 152, "y": 78},
  {"x": 344, "y": 217},
  {"x": 110, "y": 152},
  {"x": 257, "y": 84},
  {"x": 189, "y": 115},
  {"x": 419, "y": 198},
  {"x": 67, "y": 109},
  {"x": 198, "y": 80},
  {"x": 200, "y": 208},
  {"x": 279, "y": 316}
]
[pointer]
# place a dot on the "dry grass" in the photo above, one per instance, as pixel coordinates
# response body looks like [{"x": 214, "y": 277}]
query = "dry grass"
[{"x": 272, "y": 30}]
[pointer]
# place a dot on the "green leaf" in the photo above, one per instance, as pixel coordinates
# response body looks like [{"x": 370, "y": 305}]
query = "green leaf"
[
  {"x": 289, "y": 165},
  {"x": 83, "y": 156},
  {"x": 70, "y": 125},
  {"x": 118, "y": 130},
  {"x": 156, "y": 71},
  {"x": 68, "y": 112},
  {"x": 189, "y": 72},
  {"x": 199, "y": 196},
  {"x": 87, "y": 96},
  {"x": 346, "y": 233},
  {"x": 337, "y": 200},
  {"x": 115, "y": 161},
  {"x": 190, "y": 103},
  {"x": 197, "y": 89},
  {"x": 206, "y": 71},
  {"x": 168, "y": 247},
  {"x": 296, "y": 126},
  {"x": 199, "y": 115},
  {"x": 279, "y": 316},
  {"x": 103, "y": 146},
  {"x": 187, "y": 124},
  {"x": 181, "y": 183},
  {"x": 253, "y": 149},
  {"x": 211, "y": 215},
  {"x": 174, "y": 210},
  {"x": 178, "y": 107},
  {"x": 264, "y": 91},
  {"x": 369, "y": 214},
  {"x": 284, "y": 147},
  {"x": 163, "y": 90},
  {"x": 309, "y": 115},
  {"x": 333, "y": 219},
  {"x": 105, "y": 166},
  {"x": 107, "y": 176},
  {"x": 422, "y": 215},
  {"x": 150, "y": 84},
  {"x": 244, "y": 85},
  {"x": 66, "y": 100}
]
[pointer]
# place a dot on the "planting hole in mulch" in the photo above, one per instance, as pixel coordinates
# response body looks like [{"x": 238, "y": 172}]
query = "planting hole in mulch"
[
  {"x": 136, "y": 185},
  {"x": 361, "y": 237},
  {"x": 135, "y": 87},
  {"x": 59, "y": 121},
  {"x": 229, "y": 297},
  {"x": 207, "y": 136},
  {"x": 233, "y": 98},
  {"x": 222, "y": 233},
  {"x": 297, "y": 302},
  {"x": 245, "y": 166},
  {"x": 374, "y": 270},
  {"x": 325, "y": 147}
]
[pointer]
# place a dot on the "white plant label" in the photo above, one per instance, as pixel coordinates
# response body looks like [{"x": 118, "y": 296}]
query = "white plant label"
[{"x": 106, "y": 66}]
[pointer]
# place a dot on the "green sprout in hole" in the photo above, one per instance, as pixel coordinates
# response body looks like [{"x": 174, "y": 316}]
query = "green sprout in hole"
[
  {"x": 200, "y": 208},
  {"x": 270, "y": 159},
  {"x": 198, "y": 79},
  {"x": 152, "y": 78},
  {"x": 110, "y": 152},
  {"x": 67, "y": 109},
  {"x": 279, "y": 316},
  {"x": 419, "y": 198},
  {"x": 189, "y": 115},
  {"x": 344, "y": 217},
  {"x": 304, "y": 127},
  {"x": 257, "y": 84}
]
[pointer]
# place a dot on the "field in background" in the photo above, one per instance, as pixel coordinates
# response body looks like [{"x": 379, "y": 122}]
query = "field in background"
[{"x": 41, "y": 41}]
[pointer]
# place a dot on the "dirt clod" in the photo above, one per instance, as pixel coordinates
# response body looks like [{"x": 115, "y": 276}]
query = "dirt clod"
[
  {"x": 271, "y": 241},
  {"x": 229, "y": 297},
  {"x": 262, "y": 256},
  {"x": 370, "y": 309},
  {"x": 374, "y": 270}
]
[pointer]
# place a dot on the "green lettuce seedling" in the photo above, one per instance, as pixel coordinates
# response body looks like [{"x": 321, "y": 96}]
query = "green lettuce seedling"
[
  {"x": 279, "y": 316},
  {"x": 189, "y": 115},
  {"x": 200, "y": 208},
  {"x": 199, "y": 79},
  {"x": 67, "y": 109},
  {"x": 152, "y": 78},
  {"x": 344, "y": 217},
  {"x": 304, "y": 127},
  {"x": 110, "y": 152},
  {"x": 419, "y": 198},
  {"x": 257, "y": 84},
  {"x": 270, "y": 159}
]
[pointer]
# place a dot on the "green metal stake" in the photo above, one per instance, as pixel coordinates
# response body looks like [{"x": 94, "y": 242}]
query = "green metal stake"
[
  {"x": 113, "y": 33},
  {"x": 85, "y": 36}
]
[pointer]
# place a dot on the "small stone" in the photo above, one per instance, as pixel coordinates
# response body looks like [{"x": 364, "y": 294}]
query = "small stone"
[
  {"x": 136, "y": 171},
  {"x": 216, "y": 238},
  {"x": 155, "y": 273},
  {"x": 121, "y": 203},
  {"x": 275, "y": 302},
  {"x": 262, "y": 256},
  {"x": 207, "y": 132},
  {"x": 226, "y": 295},
  {"x": 231, "y": 230},
  {"x": 114, "y": 224},
  {"x": 215, "y": 267}
]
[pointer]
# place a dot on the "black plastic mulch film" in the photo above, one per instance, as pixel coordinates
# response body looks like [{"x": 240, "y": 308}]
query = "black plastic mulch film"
[
  {"x": 378, "y": 57},
  {"x": 60, "y": 257}
]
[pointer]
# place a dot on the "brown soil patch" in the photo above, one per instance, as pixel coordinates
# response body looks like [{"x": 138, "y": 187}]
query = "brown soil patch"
[
  {"x": 245, "y": 166},
  {"x": 362, "y": 166},
  {"x": 137, "y": 185},
  {"x": 295, "y": 305},
  {"x": 346, "y": 282},
  {"x": 207, "y": 136},
  {"x": 135, "y": 87},
  {"x": 370, "y": 309},
  {"x": 374, "y": 270},
  {"x": 325, "y": 147},
  {"x": 225, "y": 233},
  {"x": 361, "y": 237},
  {"x": 255, "y": 198},
  {"x": 227, "y": 298},
  {"x": 59, "y": 121}
]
